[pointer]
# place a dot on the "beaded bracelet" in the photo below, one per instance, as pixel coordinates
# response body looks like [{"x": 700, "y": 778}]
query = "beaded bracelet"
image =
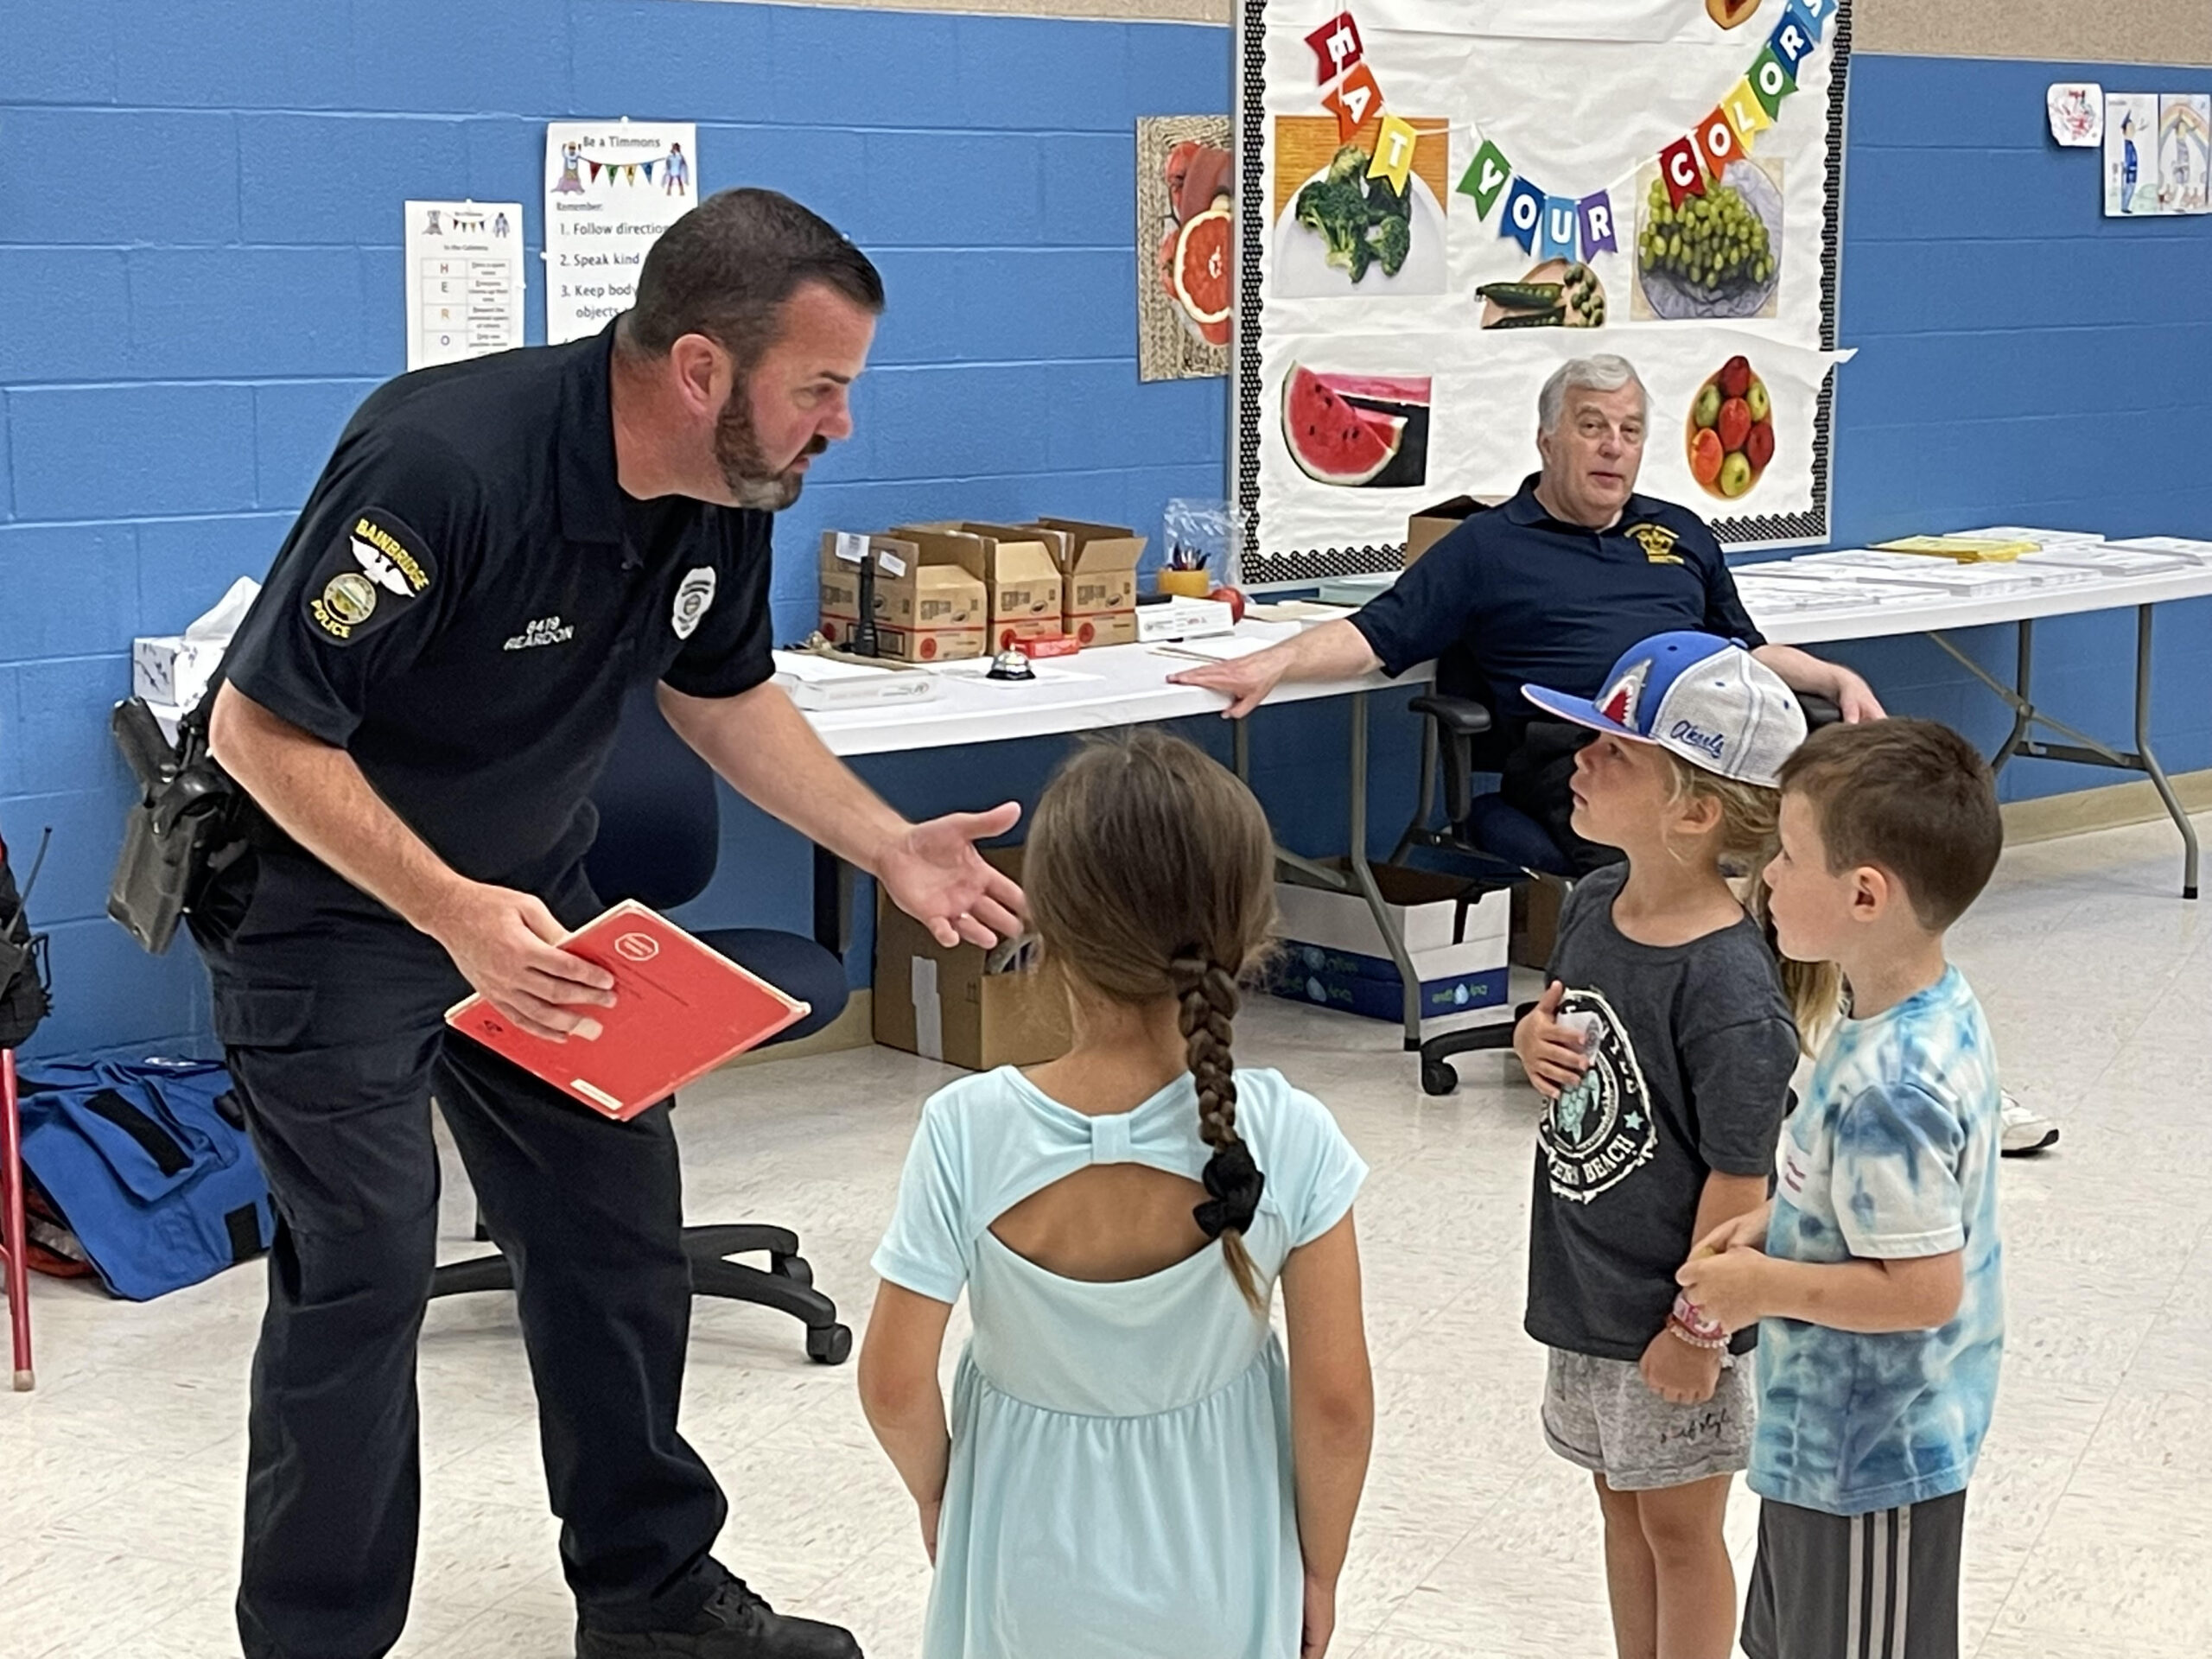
[
  {"x": 1681, "y": 1332},
  {"x": 1704, "y": 1332}
]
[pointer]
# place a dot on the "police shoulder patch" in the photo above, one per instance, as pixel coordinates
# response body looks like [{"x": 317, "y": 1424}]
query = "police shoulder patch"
[{"x": 372, "y": 573}]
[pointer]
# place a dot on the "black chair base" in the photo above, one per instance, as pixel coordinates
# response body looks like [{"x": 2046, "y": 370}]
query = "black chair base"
[
  {"x": 786, "y": 1285},
  {"x": 1437, "y": 1075}
]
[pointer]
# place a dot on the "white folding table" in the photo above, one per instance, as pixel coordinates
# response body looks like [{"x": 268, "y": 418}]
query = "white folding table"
[
  {"x": 1936, "y": 614},
  {"x": 1099, "y": 690}
]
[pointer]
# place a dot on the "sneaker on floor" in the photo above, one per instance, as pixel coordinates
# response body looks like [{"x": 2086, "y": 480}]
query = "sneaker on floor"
[
  {"x": 733, "y": 1625},
  {"x": 2025, "y": 1131}
]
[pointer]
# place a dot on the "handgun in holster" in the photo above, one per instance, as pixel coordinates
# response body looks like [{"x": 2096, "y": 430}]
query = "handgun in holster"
[{"x": 183, "y": 828}]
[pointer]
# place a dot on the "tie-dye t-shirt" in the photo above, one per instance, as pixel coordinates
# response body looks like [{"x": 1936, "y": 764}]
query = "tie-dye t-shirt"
[{"x": 1892, "y": 1155}]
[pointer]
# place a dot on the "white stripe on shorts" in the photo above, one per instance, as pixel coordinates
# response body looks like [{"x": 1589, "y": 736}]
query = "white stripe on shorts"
[
  {"x": 1903, "y": 1524},
  {"x": 1880, "y": 1535},
  {"x": 1854, "y": 1643}
]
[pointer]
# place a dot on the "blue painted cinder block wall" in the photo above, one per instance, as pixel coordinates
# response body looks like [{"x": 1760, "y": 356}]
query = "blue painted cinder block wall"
[{"x": 200, "y": 274}]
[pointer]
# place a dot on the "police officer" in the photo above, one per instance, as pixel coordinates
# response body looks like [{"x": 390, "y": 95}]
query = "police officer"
[
  {"x": 419, "y": 704},
  {"x": 1548, "y": 589}
]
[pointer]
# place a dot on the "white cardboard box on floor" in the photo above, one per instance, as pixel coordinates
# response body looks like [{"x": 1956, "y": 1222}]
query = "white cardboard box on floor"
[{"x": 1334, "y": 955}]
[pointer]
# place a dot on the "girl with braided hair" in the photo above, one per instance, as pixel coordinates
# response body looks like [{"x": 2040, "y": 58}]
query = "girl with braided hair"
[{"x": 1132, "y": 1468}]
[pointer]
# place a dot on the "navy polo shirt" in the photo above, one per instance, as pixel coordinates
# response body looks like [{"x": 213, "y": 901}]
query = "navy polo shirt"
[
  {"x": 1515, "y": 597},
  {"x": 468, "y": 595}
]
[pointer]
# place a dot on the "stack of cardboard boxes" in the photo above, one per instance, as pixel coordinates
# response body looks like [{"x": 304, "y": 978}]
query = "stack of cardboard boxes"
[{"x": 955, "y": 589}]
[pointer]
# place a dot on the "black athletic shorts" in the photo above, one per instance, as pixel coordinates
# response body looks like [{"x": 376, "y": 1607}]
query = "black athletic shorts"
[{"x": 1884, "y": 1586}]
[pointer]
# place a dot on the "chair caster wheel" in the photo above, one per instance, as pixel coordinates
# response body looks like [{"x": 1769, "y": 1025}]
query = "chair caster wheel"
[
  {"x": 793, "y": 1268},
  {"x": 829, "y": 1344},
  {"x": 1437, "y": 1077}
]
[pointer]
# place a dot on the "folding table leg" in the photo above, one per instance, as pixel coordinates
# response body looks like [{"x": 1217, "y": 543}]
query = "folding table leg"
[
  {"x": 2150, "y": 761},
  {"x": 11, "y": 1223}
]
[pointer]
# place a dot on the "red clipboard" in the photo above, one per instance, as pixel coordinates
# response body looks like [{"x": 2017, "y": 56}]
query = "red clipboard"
[{"x": 681, "y": 1009}]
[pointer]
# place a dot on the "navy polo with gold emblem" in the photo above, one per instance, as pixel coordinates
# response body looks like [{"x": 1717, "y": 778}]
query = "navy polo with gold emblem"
[
  {"x": 1515, "y": 597},
  {"x": 469, "y": 593}
]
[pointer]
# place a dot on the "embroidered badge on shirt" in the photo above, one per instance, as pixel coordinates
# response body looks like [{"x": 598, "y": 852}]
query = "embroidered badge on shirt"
[
  {"x": 371, "y": 575},
  {"x": 542, "y": 631},
  {"x": 696, "y": 594},
  {"x": 1657, "y": 543}
]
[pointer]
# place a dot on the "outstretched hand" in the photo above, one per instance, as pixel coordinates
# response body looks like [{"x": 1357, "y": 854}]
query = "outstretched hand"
[{"x": 935, "y": 874}]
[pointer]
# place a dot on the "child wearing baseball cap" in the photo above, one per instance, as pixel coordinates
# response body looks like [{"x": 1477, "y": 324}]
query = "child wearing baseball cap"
[{"x": 1664, "y": 1046}]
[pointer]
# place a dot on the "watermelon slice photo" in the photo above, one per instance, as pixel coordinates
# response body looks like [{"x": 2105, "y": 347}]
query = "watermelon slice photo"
[{"x": 1358, "y": 431}]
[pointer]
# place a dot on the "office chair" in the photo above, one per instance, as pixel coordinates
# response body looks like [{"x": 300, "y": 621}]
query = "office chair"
[
  {"x": 1508, "y": 845},
  {"x": 658, "y": 836}
]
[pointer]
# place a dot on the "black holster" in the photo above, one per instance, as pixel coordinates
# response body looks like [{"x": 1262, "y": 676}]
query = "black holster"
[{"x": 184, "y": 828}]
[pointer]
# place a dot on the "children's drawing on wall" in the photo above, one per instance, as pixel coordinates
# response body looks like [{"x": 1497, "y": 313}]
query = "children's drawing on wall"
[
  {"x": 2184, "y": 146},
  {"x": 2130, "y": 155},
  {"x": 2077, "y": 113},
  {"x": 1185, "y": 177}
]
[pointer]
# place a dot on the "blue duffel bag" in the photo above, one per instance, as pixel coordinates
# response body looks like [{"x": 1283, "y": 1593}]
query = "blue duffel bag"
[{"x": 150, "y": 1166}]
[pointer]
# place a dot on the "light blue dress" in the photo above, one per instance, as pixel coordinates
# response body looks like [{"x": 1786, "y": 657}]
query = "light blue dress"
[{"x": 1121, "y": 1478}]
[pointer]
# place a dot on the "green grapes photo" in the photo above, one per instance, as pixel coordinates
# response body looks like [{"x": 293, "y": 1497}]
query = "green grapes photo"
[{"x": 1714, "y": 255}]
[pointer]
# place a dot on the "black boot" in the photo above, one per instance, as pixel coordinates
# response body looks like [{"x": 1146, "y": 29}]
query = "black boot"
[{"x": 733, "y": 1625}]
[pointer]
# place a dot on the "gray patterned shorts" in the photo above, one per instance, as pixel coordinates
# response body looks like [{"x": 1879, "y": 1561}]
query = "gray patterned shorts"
[{"x": 1600, "y": 1414}]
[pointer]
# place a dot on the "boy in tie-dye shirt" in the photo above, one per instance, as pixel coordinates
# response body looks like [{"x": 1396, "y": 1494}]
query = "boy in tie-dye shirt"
[{"x": 1876, "y": 1268}]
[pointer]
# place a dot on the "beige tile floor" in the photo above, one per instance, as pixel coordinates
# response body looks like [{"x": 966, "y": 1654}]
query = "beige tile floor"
[{"x": 119, "y": 1477}]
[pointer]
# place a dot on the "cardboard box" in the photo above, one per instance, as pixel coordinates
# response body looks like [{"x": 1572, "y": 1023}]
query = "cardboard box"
[
  {"x": 1020, "y": 577},
  {"x": 930, "y": 605},
  {"x": 174, "y": 671},
  {"x": 942, "y": 1005},
  {"x": 1334, "y": 955},
  {"x": 1536, "y": 920},
  {"x": 1098, "y": 572},
  {"x": 1432, "y": 524}
]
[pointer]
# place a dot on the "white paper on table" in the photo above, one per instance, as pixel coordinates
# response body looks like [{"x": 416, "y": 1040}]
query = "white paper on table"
[
  {"x": 1841, "y": 591},
  {"x": 2200, "y": 551},
  {"x": 1948, "y": 576},
  {"x": 2110, "y": 559},
  {"x": 465, "y": 280},
  {"x": 611, "y": 189},
  {"x": 2043, "y": 538},
  {"x": 978, "y": 669},
  {"x": 1214, "y": 650}
]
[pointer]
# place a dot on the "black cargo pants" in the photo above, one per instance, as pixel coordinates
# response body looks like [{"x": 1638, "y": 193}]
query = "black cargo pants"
[{"x": 331, "y": 1013}]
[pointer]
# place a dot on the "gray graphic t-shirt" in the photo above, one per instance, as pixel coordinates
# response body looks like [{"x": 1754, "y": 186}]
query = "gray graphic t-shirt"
[{"x": 1689, "y": 1074}]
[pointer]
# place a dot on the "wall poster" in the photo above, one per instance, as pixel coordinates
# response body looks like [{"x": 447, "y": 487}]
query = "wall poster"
[
  {"x": 611, "y": 189},
  {"x": 1185, "y": 177},
  {"x": 1440, "y": 201}
]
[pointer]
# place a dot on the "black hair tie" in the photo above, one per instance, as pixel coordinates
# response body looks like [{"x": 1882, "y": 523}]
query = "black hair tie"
[{"x": 1236, "y": 1183}]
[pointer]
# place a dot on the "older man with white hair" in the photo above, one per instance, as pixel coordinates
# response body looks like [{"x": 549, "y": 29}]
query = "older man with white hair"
[{"x": 1548, "y": 589}]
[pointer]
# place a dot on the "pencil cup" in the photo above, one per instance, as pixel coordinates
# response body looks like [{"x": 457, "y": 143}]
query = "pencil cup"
[{"x": 1186, "y": 584}]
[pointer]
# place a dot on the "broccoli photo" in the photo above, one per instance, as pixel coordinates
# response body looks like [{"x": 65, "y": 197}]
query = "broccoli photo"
[{"x": 1361, "y": 221}]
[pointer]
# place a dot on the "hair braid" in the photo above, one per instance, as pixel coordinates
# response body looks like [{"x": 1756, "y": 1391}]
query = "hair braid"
[
  {"x": 1208, "y": 1000},
  {"x": 1151, "y": 873}
]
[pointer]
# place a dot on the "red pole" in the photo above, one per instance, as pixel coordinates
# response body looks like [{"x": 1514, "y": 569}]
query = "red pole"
[{"x": 11, "y": 1222}]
